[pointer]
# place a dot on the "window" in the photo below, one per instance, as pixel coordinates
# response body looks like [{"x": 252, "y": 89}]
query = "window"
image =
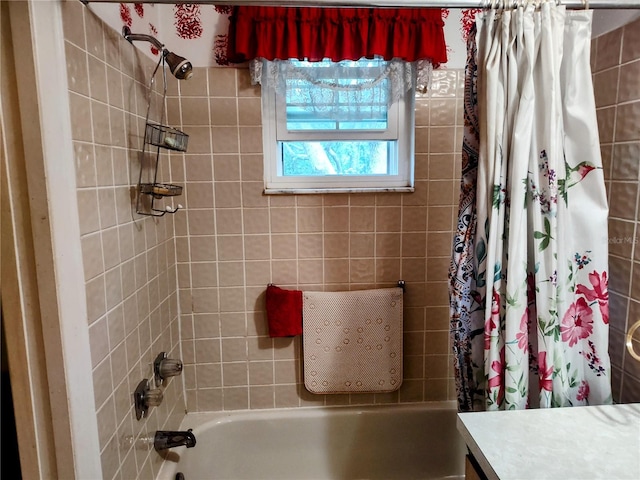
[{"x": 338, "y": 126}]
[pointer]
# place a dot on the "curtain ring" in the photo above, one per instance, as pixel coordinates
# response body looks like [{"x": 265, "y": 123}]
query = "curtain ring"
[{"x": 586, "y": 4}]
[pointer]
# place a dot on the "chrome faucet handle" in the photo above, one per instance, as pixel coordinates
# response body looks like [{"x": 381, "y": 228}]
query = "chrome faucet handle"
[
  {"x": 145, "y": 397},
  {"x": 153, "y": 397},
  {"x": 164, "y": 368}
]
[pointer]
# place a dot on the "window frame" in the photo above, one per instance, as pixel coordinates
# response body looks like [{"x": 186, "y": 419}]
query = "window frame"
[{"x": 401, "y": 129}]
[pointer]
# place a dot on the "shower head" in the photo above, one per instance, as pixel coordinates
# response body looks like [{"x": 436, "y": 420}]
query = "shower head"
[{"x": 180, "y": 67}]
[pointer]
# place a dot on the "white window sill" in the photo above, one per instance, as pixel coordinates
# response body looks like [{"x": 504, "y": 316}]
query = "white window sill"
[{"x": 315, "y": 191}]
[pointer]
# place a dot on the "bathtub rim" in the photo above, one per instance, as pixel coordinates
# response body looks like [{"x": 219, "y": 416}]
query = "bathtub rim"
[{"x": 224, "y": 416}]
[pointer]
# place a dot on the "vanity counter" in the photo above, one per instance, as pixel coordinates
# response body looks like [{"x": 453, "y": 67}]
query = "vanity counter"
[{"x": 585, "y": 443}]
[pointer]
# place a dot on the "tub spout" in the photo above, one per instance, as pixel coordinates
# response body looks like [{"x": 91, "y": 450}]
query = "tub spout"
[{"x": 165, "y": 439}]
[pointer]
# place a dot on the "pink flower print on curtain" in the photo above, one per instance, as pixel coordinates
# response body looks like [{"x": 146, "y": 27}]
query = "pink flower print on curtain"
[
  {"x": 546, "y": 373},
  {"x": 492, "y": 323},
  {"x": 496, "y": 384},
  {"x": 523, "y": 335},
  {"x": 583, "y": 391},
  {"x": 599, "y": 293},
  {"x": 577, "y": 322}
]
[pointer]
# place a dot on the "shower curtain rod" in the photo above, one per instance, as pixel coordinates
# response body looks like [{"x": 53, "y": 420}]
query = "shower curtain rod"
[{"x": 570, "y": 4}]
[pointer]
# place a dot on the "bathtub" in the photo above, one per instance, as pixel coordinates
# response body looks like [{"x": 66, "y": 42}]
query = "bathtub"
[{"x": 322, "y": 443}]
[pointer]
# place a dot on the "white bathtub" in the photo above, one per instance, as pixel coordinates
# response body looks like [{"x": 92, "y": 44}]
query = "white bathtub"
[{"x": 332, "y": 443}]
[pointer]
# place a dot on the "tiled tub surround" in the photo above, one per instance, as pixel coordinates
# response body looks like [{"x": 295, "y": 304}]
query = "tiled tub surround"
[
  {"x": 231, "y": 241},
  {"x": 616, "y": 66},
  {"x": 129, "y": 261}
]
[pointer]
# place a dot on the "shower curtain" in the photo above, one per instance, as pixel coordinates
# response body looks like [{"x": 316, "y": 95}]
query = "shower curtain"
[{"x": 528, "y": 277}]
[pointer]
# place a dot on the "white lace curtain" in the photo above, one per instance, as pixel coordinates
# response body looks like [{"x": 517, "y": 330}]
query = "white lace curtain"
[{"x": 337, "y": 88}]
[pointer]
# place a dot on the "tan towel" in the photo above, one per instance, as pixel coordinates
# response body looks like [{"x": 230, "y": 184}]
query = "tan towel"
[{"x": 352, "y": 341}]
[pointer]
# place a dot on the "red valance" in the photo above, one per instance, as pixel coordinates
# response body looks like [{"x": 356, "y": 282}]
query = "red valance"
[{"x": 336, "y": 33}]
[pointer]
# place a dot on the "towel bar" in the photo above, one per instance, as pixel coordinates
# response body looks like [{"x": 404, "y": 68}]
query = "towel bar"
[{"x": 401, "y": 284}]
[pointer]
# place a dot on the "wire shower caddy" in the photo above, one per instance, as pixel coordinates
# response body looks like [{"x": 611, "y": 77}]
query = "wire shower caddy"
[{"x": 158, "y": 137}]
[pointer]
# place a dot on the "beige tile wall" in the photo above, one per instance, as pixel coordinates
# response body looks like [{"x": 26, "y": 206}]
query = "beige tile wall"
[
  {"x": 616, "y": 65},
  {"x": 129, "y": 261},
  {"x": 233, "y": 240}
]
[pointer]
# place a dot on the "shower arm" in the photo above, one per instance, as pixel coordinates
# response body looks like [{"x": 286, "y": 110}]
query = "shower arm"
[{"x": 134, "y": 37}]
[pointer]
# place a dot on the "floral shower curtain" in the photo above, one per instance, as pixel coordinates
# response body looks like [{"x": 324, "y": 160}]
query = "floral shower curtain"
[{"x": 528, "y": 278}]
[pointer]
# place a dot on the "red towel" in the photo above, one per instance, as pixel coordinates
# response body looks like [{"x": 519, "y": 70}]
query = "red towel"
[{"x": 284, "y": 311}]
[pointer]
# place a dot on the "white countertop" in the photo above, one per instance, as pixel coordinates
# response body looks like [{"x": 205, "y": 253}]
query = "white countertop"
[{"x": 579, "y": 443}]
